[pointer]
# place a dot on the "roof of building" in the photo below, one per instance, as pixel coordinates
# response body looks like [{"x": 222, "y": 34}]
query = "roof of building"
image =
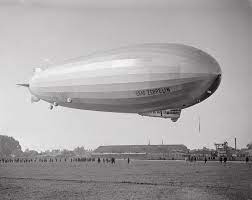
[{"x": 141, "y": 148}]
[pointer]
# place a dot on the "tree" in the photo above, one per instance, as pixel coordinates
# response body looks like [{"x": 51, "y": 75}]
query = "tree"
[
  {"x": 249, "y": 146},
  {"x": 30, "y": 153},
  {"x": 79, "y": 151},
  {"x": 67, "y": 153},
  {"x": 9, "y": 146}
]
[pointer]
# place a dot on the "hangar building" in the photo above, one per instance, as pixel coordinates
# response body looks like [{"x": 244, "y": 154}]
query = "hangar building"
[{"x": 163, "y": 152}]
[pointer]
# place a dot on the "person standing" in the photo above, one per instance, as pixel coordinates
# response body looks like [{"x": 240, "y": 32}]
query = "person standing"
[
  {"x": 225, "y": 160},
  {"x": 247, "y": 159}
]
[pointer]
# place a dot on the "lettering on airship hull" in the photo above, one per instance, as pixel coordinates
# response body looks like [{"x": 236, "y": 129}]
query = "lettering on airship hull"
[
  {"x": 151, "y": 92},
  {"x": 157, "y": 91}
]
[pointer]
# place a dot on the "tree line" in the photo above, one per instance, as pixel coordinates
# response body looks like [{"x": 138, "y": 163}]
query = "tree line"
[{"x": 10, "y": 147}]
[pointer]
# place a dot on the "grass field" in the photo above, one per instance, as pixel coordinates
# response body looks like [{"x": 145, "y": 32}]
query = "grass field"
[{"x": 137, "y": 180}]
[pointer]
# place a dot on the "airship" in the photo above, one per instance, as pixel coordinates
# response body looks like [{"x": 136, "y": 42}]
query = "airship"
[{"x": 156, "y": 80}]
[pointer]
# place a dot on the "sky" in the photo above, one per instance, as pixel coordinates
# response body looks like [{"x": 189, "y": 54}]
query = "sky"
[{"x": 36, "y": 33}]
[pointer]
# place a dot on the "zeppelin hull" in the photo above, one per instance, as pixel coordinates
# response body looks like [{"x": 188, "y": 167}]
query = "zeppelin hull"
[{"x": 135, "y": 79}]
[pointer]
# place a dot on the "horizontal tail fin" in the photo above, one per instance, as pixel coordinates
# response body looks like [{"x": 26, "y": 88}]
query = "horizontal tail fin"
[{"x": 23, "y": 84}]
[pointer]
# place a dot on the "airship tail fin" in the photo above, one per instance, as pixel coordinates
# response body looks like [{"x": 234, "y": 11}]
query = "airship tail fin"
[
  {"x": 37, "y": 70},
  {"x": 23, "y": 84}
]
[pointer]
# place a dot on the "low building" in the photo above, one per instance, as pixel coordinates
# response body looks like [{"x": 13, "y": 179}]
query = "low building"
[{"x": 162, "y": 152}]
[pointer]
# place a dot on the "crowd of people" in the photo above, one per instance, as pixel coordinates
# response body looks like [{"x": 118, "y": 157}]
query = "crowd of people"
[
  {"x": 111, "y": 160},
  {"x": 56, "y": 159},
  {"x": 222, "y": 159},
  {"x": 90, "y": 159}
]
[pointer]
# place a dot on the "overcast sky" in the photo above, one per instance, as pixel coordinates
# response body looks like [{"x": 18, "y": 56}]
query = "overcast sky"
[{"x": 35, "y": 33}]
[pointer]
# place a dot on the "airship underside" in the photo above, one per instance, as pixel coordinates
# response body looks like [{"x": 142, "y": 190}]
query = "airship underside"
[{"x": 157, "y": 80}]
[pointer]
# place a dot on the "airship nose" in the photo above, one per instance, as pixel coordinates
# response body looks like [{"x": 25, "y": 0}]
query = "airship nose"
[
  {"x": 213, "y": 87},
  {"x": 211, "y": 66},
  {"x": 215, "y": 84},
  {"x": 214, "y": 70}
]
